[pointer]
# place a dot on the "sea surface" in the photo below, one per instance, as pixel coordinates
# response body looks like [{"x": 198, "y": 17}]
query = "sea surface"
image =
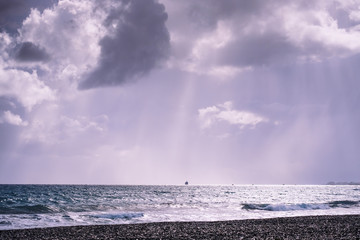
[{"x": 32, "y": 206}]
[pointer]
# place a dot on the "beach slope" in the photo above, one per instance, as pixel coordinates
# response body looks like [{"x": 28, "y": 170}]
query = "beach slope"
[{"x": 310, "y": 227}]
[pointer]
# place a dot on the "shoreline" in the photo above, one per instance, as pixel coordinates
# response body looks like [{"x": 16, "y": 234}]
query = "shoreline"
[{"x": 309, "y": 227}]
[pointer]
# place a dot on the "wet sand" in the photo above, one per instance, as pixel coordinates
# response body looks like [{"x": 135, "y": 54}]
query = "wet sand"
[{"x": 310, "y": 227}]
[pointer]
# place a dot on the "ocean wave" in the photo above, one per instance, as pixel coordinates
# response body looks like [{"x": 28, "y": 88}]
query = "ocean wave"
[
  {"x": 344, "y": 203},
  {"x": 114, "y": 216},
  {"x": 162, "y": 192},
  {"x": 26, "y": 209},
  {"x": 5, "y": 223},
  {"x": 301, "y": 206},
  {"x": 284, "y": 207},
  {"x": 28, "y": 206}
]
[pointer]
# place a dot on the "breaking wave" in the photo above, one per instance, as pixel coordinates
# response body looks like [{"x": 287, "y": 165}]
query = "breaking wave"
[
  {"x": 284, "y": 207},
  {"x": 124, "y": 216},
  {"x": 301, "y": 206},
  {"x": 344, "y": 204},
  {"x": 32, "y": 209}
]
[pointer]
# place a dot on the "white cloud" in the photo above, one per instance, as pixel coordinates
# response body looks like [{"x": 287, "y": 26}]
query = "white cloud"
[
  {"x": 25, "y": 87},
  {"x": 316, "y": 27},
  {"x": 241, "y": 118},
  {"x": 13, "y": 119},
  {"x": 217, "y": 39},
  {"x": 50, "y": 126},
  {"x": 355, "y": 15},
  {"x": 95, "y": 44},
  {"x": 203, "y": 53},
  {"x": 5, "y": 41},
  {"x": 69, "y": 32},
  {"x": 351, "y": 7},
  {"x": 225, "y": 113},
  {"x": 208, "y": 115}
]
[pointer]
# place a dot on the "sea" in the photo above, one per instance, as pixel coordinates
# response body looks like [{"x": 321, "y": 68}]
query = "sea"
[{"x": 34, "y": 206}]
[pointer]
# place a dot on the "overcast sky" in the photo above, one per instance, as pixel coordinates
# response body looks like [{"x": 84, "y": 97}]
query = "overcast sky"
[{"x": 159, "y": 92}]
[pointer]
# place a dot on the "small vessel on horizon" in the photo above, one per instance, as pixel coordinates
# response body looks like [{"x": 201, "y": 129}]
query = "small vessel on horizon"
[{"x": 186, "y": 183}]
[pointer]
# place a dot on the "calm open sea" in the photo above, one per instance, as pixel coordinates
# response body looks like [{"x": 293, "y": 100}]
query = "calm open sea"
[{"x": 30, "y": 206}]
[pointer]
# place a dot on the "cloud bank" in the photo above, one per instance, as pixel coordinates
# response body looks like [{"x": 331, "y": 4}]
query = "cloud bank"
[
  {"x": 78, "y": 43},
  {"x": 224, "y": 38}
]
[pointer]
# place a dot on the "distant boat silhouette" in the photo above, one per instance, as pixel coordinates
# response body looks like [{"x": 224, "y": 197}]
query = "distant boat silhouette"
[{"x": 186, "y": 183}]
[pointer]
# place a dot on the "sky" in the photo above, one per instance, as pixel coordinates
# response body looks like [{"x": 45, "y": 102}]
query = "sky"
[{"x": 163, "y": 91}]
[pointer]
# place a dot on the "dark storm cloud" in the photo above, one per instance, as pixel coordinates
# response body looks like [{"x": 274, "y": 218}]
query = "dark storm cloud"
[
  {"x": 29, "y": 52},
  {"x": 13, "y": 12},
  {"x": 140, "y": 42}
]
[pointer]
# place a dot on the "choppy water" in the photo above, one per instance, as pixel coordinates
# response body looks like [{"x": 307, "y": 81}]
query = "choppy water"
[{"x": 29, "y": 206}]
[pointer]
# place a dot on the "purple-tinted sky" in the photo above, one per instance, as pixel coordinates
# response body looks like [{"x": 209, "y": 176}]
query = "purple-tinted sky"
[{"x": 157, "y": 92}]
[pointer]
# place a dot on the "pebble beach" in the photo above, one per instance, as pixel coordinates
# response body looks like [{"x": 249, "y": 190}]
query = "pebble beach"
[{"x": 309, "y": 227}]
